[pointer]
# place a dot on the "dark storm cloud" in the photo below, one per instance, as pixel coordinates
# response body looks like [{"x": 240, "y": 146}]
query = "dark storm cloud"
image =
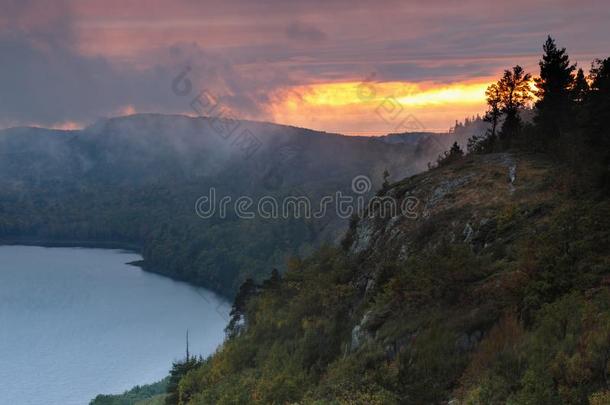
[{"x": 45, "y": 80}]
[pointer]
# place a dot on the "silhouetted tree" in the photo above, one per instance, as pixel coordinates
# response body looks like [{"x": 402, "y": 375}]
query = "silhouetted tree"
[
  {"x": 580, "y": 88},
  {"x": 514, "y": 92},
  {"x": 553, "y": 89},
  {"x": 386, "y": 183},
  {"x": 599, "y": 102},
  {"x": 475, "y": 143},
  {"x": 454, "y": 153},
  {"x": 493, "y": 114},
  {"x": 455, "y": 150},
  {"x": 598, "y": 119}
]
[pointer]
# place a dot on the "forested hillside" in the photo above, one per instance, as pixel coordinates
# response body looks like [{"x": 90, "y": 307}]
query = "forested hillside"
[
  {"x": 133, "y": 182},
  {"x": 497, "y": 291}
]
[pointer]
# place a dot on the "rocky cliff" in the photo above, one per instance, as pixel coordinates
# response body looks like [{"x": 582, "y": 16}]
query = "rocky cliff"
[{"x": 492, "y": 288}]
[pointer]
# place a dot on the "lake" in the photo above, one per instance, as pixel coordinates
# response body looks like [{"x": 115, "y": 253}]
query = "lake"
[{"x": 78, "y": 322}]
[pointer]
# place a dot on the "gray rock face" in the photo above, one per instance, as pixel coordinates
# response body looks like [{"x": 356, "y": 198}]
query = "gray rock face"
[
  {"x": 445, "y": 188},
  {"x": 451, "y": 209},
  {"x": 370, "y": 286},
  {"x": 436, "y": 195},
  {"x": 512, "y": 174},
  {"x": 361, "y": 333},
  {"x": 356, "y": 338},
  {"x": 363, "y": 236},
  {"x": 467, "y": 233},
  {"x": 360, "y": 337}
]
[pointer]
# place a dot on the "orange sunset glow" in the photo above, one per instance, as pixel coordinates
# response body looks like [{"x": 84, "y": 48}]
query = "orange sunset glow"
[
  {"x": 373, "y": 108},
  {"x": 345, "y": 67}
]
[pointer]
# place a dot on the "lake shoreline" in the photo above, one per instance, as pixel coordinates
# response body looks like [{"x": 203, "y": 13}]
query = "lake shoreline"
[
  {"x": 64, "y": 304},
  {"x": 129, "y": 247},
  {"x": 96, "y": 244}
]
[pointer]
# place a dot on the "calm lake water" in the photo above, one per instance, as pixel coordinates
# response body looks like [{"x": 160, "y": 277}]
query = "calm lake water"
[{"x": 76, "y": 322}]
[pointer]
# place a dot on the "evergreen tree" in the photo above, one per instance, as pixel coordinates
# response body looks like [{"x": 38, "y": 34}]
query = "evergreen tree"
[
  {"x": 553, "y": 88},
  {"x": 179, "y": 370},
  {"x": 455, "y": 150},
  {"x": 580, "y": 88},
  {"x": 596, "y": 123},
  {"x": 494, "y": 112},
  {"x": 454, "y": 153},
  {"x": 514, "y": 89},
  {"x": 386, "y": 183},
  {"x": 599, "y": 101},
  {"x": 238, "y": 311},
  {"x": 484, "y": 143}
]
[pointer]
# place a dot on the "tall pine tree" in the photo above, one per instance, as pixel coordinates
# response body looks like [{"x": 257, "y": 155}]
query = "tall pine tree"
[
  {"x": 515, "y": 94},
  {"x": 598, "y": 121},
  {"x": 554, "y": 89},
  {"x": 493, "y": 114},
  {"x": 580, "y": 88}
]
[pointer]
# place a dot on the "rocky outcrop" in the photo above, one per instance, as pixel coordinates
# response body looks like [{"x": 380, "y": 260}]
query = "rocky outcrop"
[
  {"x": 466, "y": 203},
  {"x": 462, "y": 199}
]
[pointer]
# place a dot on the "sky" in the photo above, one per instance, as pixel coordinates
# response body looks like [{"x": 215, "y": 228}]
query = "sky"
[{"x": 354, "y": 67}]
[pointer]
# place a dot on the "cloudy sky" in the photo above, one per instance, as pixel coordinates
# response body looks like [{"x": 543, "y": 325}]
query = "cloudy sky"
[{"x": 357, "y": 67}]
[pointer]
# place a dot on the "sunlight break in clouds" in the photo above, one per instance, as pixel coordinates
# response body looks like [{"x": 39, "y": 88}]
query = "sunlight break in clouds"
[
  {"x": 293, "y": 63},
  {"x": 366, "y": 104}
]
